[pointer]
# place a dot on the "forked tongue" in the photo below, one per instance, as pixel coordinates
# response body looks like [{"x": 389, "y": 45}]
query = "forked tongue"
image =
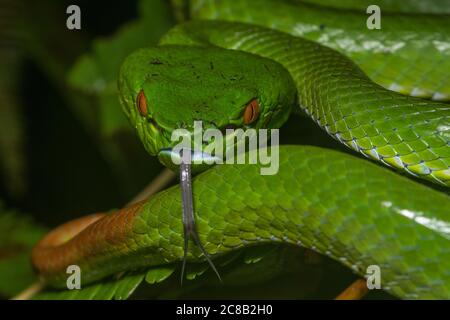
[{"x": 190, "y": 230}]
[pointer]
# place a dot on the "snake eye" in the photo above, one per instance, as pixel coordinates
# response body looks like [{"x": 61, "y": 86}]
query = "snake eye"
[
  {"x": 141, "y": 103},
  {"x": 251, "y": 112}
]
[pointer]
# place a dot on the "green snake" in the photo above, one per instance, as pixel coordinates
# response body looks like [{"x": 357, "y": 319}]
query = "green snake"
[{"x": 248, "y": 69}]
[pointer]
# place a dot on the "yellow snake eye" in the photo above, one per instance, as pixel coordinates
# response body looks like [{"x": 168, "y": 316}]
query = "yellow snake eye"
[
  {"x": 251, "y": 112},
  {"x": 141, "y": 103}
]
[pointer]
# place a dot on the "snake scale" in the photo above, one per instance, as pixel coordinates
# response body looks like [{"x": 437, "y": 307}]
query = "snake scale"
[{"x": 267, "y": 57}]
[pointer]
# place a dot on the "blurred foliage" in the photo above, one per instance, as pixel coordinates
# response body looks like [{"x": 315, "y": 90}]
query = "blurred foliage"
[
  {"x": 118, "y": 289},
  {"x": 18, "y": 234},
  {"x": 11, "y": 127}
]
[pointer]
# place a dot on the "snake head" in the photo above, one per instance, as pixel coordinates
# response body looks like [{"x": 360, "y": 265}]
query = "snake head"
[{"x": 166, "y": 88}]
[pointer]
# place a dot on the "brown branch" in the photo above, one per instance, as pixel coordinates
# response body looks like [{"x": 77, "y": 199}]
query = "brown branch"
[{"x": 356, "y": 291}]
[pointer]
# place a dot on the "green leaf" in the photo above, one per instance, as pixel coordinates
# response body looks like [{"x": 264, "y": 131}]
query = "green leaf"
[
  {"x": 107, "y": 289},
  {"x": 97, "y": 71},
  {"x": 157, "y": 275},
  {"x": 128, "y": 285},
  {"x": 86, "y": 76},
  {"x": 196, "y": 269},
  {"x": 18, "y": 234}
]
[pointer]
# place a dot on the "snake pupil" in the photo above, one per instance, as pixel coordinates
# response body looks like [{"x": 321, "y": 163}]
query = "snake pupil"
[
  {"x": 141, "y": 102},
  {"x": 251, "y": 112}
]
